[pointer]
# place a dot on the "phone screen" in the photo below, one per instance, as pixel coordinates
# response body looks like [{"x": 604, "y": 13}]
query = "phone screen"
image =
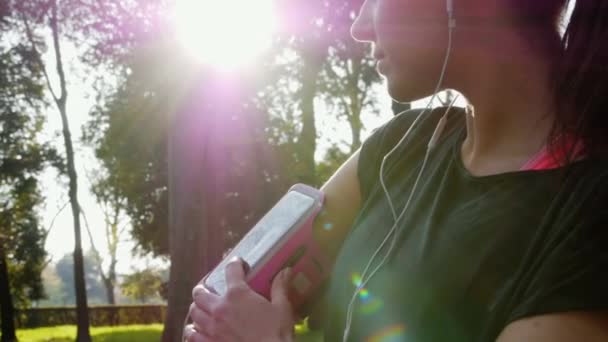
[{"x": 290, "y": 211}]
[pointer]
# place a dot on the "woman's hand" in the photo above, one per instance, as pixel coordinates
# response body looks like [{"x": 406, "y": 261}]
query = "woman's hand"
[{"x": 241, "y": 315}]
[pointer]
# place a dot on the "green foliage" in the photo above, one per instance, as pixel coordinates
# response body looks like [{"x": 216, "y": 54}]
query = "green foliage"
[
  {"x": 100, "y": 315},
  {"x": 64, "y": 269},
  {"x": 54, "y": 288},
  {"x": 134, "y": 164},
  {"x": 22, "y": 157},
  {"x": 65, "y": 333},
  {"x": 346, "y": 85},
  {"x": 142, "y": 285},
  {"x": 127, "y": 333},
  {"x": 334, "y": 158}
]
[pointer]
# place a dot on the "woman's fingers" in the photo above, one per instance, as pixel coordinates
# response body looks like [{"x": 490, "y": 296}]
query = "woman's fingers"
[
  {"x": 193, "y": 336},
  {"x": 235, "y": 274},
  {"x": 205, "y": 325},
  {"x": 279, "y": 292},
  {"x": 208, "y": 328},
  {"x": 202, "y": 320},
  {"x": 204, "y": 299},
  {"x": 241, "y": 314}
]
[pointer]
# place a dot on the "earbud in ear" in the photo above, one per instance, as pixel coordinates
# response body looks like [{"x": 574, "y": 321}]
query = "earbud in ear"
[{"x": 449, "y": 4}]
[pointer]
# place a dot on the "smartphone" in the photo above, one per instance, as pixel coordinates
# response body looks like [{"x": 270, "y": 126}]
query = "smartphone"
[{"x": 282, "y": 238}]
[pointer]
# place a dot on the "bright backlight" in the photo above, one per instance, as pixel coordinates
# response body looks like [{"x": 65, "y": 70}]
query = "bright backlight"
[{"x": 225, "y": 34}]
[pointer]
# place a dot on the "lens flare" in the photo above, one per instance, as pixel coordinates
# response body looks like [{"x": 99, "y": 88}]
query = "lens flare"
[
  {"x": 356, "y": 279},
  {"x": 224, "y": 34},
  {"x": 369, "y": 305},
  {"x": 392, "y": 333}
]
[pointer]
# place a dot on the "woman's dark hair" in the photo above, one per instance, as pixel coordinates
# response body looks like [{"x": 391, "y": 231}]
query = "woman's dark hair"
[
  {"x": 581, "y": 83},
  {"x": 580, "y": 71}
]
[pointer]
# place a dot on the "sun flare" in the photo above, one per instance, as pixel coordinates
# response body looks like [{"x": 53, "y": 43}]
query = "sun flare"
[{"x": 224, "y": 34}]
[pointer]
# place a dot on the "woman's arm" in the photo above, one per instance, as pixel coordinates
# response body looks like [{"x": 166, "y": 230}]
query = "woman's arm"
[
  {"x": 342, "y": 204},
  {"x": 560, "y": 327},
  {"x": 244, "y": 315}
]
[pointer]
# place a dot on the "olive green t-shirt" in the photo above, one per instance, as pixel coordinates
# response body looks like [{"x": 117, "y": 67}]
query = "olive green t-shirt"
[{"x": 472, "y": 253}]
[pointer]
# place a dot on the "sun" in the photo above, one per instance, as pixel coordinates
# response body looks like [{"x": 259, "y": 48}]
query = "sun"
[{"x": 224, "y": 34}]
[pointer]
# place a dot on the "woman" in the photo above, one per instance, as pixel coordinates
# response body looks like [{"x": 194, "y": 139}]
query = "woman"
[{"x": 490, "y": 247}]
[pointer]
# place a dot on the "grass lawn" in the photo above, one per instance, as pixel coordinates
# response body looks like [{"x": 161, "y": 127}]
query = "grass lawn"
[
  {"x": 128, "y": 333},
  {"x": 64, "y": 333}
]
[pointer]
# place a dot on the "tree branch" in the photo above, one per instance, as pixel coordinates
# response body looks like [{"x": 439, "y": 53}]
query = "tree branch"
[
  {"x": 346, "y": 106},
  {"x": 57, "y": 47},
  {"x": 122, "y": 230},
  {"x": 48, "y": 230},
  {"x": 95, "y": 251},
  {"x": 30, "y": 37}
]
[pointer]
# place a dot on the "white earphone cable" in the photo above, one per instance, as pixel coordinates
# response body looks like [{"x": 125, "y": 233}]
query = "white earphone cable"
[{"x": 364, "y": 278}]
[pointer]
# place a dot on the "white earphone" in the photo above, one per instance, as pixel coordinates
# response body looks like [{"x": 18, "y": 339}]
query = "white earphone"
[{"x": 431, "y": 145}]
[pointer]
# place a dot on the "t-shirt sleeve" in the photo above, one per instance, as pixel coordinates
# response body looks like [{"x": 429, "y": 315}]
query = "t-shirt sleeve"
[
  {"x": 379, "y": 143},
  {"x": 570, "y": 269}
]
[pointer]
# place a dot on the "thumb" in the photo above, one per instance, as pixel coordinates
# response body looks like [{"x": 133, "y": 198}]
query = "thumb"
[{"x": 279, "y": 292}]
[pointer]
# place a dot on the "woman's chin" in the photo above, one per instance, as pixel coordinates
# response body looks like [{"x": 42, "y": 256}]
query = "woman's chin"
[
  {"x": 400, "y": 93},
  {"x": 406, "y": 91}
]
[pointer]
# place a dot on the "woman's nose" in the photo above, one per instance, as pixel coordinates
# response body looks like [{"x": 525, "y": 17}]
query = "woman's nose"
[{"x": 363, "y": 27}]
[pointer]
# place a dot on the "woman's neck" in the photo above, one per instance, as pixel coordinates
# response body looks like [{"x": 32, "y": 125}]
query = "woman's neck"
[{"x": 512, "y": 115}]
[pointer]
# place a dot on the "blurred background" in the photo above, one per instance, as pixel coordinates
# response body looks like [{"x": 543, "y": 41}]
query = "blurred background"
[{"x": 140, "y": 139}]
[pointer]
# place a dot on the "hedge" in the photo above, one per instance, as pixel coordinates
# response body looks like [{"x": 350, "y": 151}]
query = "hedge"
[{"x": 102, "y": 315}]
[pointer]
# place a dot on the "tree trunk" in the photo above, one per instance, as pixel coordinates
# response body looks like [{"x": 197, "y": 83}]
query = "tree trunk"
[
  {"x": 7, "y": 311},
  {"x": 109, "y": 285},
  {"x": 356, "y": 105},
  {"x": 82, "y": 313},
  {"x": 113, "y": 236},
  {"x": 307, "y": 143},
  {"x": 193, "y": 243},
  {"x": 355, "y": 127}
]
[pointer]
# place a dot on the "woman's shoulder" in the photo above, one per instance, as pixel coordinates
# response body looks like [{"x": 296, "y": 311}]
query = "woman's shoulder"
[
  {"x": 420, "y": 124},
  {"x": 587, "y": 179},
  {"x": 564, "y": 266},
  {"x": 421, "y": 121}
]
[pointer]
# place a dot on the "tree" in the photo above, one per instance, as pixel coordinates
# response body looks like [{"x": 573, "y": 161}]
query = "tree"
[
  {"x": 51, "y": 14},
  {"x": 347, "y": 84},
  {"x": 113, "y": 207},
  {"x": 307, "y": 32},
  {"x": 142, "y": 285},
  {"x": 103, "y": 28},
  {"x": 316, "y": 37},
  {"x": 22, "y": 157},
  {"x": 54, "y": 288},
  {"x": 64, "y": 269},
  {"x": 133, "y": 175},
  {"x": 202, "y": 221}
]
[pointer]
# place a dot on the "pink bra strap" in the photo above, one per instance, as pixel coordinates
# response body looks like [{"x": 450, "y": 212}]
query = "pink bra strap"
[{"x": 543, "y": 160}]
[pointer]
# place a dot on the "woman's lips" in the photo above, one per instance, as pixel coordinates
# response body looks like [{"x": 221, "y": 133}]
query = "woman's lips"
[
  {"x": 377, "y": 52},
  {"x": 381, "y": 62},
  {"x": 378, "y": 55},
  {"x": 381, "y": 66}
]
